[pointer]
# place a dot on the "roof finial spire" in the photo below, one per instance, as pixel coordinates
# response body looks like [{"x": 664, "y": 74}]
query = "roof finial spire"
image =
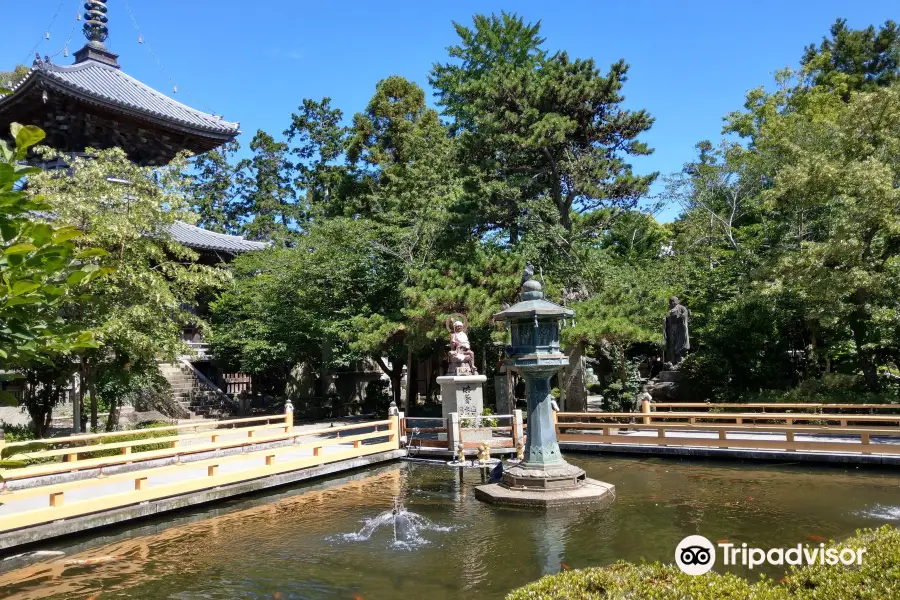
[{"x": 95, "y": 29}]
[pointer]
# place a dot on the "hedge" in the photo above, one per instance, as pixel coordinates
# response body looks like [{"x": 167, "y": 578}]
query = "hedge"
[{"x": 877, "y": 578}]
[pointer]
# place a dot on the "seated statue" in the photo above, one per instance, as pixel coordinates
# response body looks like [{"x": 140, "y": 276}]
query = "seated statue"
[{"x": 462, "y": 359}]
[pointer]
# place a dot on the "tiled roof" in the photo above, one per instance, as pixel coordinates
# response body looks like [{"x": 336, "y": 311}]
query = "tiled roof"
[
  {"x": 106, "y": 84},
  {"x": 202, "y": 239}
]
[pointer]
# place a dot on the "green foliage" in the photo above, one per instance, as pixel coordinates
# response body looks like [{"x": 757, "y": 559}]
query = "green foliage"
[
  {"x": 286, "y": 304},
  {"x": 10, "y": 79},
  {"x": 146, "y": 433},
  {"x": 378, "y": 399},
  {"x": 855, "y": 59},
  {"x": 541, "y": 135},
  {"x": 877, "y": 577},
  {"x": 267, "y": 191},
  {"x": 41, "y": 267},
  {"x": 487, "y": 420},
  {"x": 832, "y": 388},
  {"x": 126, "y": 212},
  {"x": 213, "y": 189}
]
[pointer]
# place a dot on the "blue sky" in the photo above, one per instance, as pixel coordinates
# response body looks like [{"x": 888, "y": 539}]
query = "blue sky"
[{"x": 691, "y": 61}]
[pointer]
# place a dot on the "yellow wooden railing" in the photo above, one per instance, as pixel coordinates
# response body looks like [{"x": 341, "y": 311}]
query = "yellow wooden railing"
[
  {"x": 268, "y": 461},
  {"x": 855, "y": 431}
]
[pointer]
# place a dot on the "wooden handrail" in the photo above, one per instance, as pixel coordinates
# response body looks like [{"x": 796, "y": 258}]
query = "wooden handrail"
[
  {"x": 154, "y": 471},
  {"x": 765, "y": 405},
  {"x": 147, "y": 441},
  {"x": 805, "y": 429},
  {"x": 175, "y": 450},
  {"x": 145, "y": 491},
  {"x": 852, "y": 439},
  {"x": 213, "y": 425},
  {"x": 752, "y": 416}
]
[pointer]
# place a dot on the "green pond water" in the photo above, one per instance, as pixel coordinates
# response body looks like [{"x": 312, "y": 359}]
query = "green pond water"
[{"x": 321, "y": 540}]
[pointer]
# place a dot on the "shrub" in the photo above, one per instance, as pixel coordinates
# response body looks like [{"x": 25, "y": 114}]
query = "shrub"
[
  {"x": 831, "y": 388},
  {"x": 378, "y": 398},
  {"x": 489, "y": 422},
  {"x": 137, "y": 436},
  {"x": 877, "y": 577}
]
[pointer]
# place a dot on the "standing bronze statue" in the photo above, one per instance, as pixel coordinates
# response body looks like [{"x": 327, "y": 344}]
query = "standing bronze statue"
[{"x": 675, "y": 332}]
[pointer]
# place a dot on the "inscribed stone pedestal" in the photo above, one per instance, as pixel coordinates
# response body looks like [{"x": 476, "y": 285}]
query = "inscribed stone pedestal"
[{"x": 462, "y": 394}]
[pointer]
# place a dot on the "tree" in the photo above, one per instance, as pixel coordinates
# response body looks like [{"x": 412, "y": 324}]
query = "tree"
[
  {"x": 318, "y": 140},
  {"x": 268, "y": 198},
  {"x": 125, "y": 212},
  {"x": 535, "y": 128},
  {"x": 9, "y": 79},
  {"x": 855, "y": 59},
  {"x": 214, "y": 191},
  {"x": 289, "y": 306},
  {"x": 41, "y": 269}
]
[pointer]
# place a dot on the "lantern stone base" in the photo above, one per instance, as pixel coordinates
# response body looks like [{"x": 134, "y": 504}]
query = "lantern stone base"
[{"x": 545, "y": 486}]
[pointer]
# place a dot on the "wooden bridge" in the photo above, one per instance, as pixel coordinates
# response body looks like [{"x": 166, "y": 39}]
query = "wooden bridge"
[
  {"x": 816, "y": 430},
  {"x": 72, "y": 483},
  {"x": 823, "y": 431}
]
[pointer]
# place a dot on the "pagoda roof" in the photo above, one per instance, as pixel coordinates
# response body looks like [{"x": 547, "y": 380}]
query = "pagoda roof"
[
  {"x": 104, "y": 83},
  {"x": 203, "y": 239},
  {"x": 91, "y": 87}
]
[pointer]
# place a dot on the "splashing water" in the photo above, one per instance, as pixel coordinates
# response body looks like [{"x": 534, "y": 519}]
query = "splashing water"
[
  {"x": 407, "y": 528},
  {"x": 881, "y": 512}
]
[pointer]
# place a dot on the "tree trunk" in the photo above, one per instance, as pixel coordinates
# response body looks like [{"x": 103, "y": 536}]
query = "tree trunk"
[
  {"x": 395, "y": 374},
  {"x": 864, "y": 357},
  {"x": 113, "y": 418},
  {"x": 412, "y": 384},
  {"x": 571, "y": 387},
  {"x": 95, "y": 420}
]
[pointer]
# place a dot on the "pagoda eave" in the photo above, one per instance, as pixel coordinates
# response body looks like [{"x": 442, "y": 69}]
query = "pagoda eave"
[{"x": 93, "y": 105}]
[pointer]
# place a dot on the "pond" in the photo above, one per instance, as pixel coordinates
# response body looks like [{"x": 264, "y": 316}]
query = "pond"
[{"x": 322, "y": 541}]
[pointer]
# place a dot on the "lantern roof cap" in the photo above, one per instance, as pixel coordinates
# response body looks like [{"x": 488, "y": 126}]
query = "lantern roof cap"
[{"x": 533, "y": 304}]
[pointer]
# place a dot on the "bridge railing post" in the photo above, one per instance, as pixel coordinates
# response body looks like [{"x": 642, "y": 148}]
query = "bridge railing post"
[
  {"x": 288, "y": 417},
  {"x": 645, "y": 409},
  {"x": 454, "y": 435}
]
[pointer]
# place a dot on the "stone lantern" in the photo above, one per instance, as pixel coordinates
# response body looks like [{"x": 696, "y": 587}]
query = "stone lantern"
[{"x": 543, "y": 478}]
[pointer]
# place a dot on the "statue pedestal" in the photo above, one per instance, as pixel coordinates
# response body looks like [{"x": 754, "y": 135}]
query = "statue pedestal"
[
  {"x": 462, "y": 394},
  {"x": 666, "y": 387}
]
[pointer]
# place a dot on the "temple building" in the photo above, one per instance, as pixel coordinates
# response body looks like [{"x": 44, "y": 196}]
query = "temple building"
[{"x": 93, "y": 103}]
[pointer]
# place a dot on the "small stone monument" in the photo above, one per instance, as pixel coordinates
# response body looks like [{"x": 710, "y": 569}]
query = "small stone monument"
[{"x": 543, "y": 477}]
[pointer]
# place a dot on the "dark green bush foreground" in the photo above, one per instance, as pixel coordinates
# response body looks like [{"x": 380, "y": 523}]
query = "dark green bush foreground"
[{"x": 877, "y": 579}]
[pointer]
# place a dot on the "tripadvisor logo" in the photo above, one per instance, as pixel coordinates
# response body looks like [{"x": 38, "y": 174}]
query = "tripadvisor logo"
[{"x": 696, "y": 555}]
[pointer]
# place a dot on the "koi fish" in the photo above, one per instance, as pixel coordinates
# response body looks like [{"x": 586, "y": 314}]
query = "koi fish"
[
  {"x": 816, "y": 538},
  {"x": 749, "y": 497},
  {"x": 723, "y": 542},
  {"x": 564, "y": 566}
]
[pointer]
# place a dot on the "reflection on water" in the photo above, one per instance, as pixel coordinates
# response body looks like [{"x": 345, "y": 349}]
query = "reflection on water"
[{"x": 338, "y": 541}]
